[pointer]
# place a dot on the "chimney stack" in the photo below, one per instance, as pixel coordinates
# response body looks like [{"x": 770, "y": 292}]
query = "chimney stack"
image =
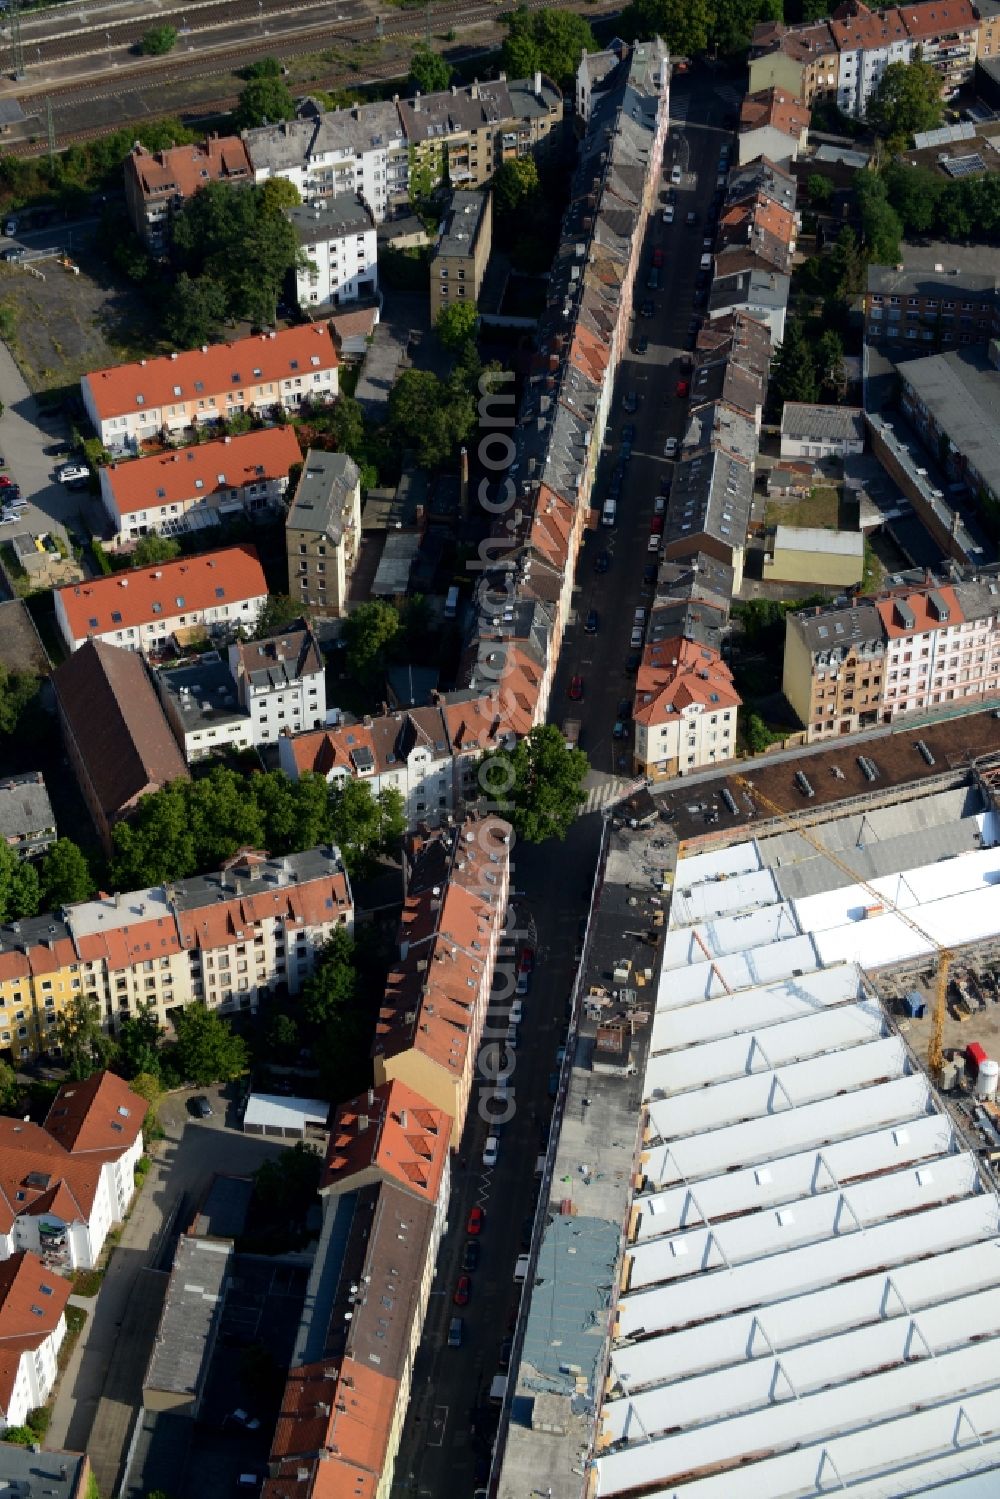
[{"x": 362, "y": 1123}]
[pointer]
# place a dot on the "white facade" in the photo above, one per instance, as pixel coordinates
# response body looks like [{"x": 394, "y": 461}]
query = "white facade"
[
  {"x": 153, "y": 635},
  {"x": 691, "y": 739},
  {"x": 767, "y": 140},
  {"x": 943, "y": 665},
  {"x": 292, "y": 704},
  {"x": 861, "y": 70},
  {"x": 338, "y": 269},
  {"x": 37, "y": 1370},
  {"x": 330, "y": 161}
]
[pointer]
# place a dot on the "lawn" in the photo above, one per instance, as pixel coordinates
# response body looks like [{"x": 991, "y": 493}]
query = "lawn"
[{"x": 820, "y": 507}]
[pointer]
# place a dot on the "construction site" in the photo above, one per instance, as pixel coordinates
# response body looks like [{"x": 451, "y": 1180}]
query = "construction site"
[{"x": 787, "y": 1048}]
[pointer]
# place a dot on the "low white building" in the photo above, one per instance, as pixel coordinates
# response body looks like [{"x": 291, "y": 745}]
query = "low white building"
[
  {"x": 340, "y": 250},
  {"x": 280, "y": 683},
  {"x": 813, "y": 431},
  {"x": 203, "y": 708},
  {"x": 32, "y": 1328}
]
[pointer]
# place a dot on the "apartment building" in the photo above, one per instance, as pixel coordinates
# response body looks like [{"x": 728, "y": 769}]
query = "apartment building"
[
  {"x": 930, "y": 659},
  {"x": 834, "y": 668},
  {"x": 133, "y": 404},
  {"x": 844, "y": 58},
  {"x": 945, "y": 299},
  {"x": 339, "y": 249},
  {"x": 150, "y": 608},
  {"x": 27, "y": 822},
  {"x": 774, "y": 122},
  {"x": 323, "y": 531},
  {"x": 591, "y": 77},
  {"x": 809, "y": 430},
  {"x": 190, "y": 489},
  {"x": 709, "y": 508},
  {"x": 436, "y": 997},
  {"x": 203, "y": 708},
  {"x": 384, "y": 1192},
  {"x": 64, "y": 1184},
  {"x": 759, "y": 292},
  {"x": 158, "y": 183},
  {"x": 732, "y": 360},
  {"x": 458, "y": 262},
  {"x": 953, "y": 401},
  {"x": 479, "y": 127},
  {"x": 32, "y": 1329},
  {"x": 280, "y": 683},
  {"x": 361, "y": 152},
  {"x": 685, "y": 709},
  {"x": 117, "y": 740}
]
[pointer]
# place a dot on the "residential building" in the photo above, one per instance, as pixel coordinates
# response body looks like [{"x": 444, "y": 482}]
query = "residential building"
[
  {"x": 458, "y": 263},
  {"x": 337, "y": 237},
  {"x": 32, "y": 1329},
  {"x": 800, "y": 60},
  {"x": 774, "y": 123},
  {"x": 360, "y": 151},
  {"x": 834, "y": 668},
  {"x": 988, "y": 47},
  {"x": 867, "y": 42},
  {"x": 280, "y": 683},
  {"x": 188, "y": 489},
  {"x": 953, "y": 400},
  {"x": 591, "y": 77},
  {"x": 408, "y": 752},
  {"x": 685, "y": 709},
  {"x": 929, "y": 658},
  {"x": 323, "y": 531},
  {"x": 203, "y": 708},
  {"x": 732, "y": 360},
  {"x": 65, "y": 1184},
  {"x": 117, "y": 739},
  {"x": 755, "y": 233},
  {"x": 946, "y": 303},
  {"x": 64, "y": 1475},
  {"x": 27, "y": 822},
  {"x": 136, "y": 403},
  {"x": 159, "y": 183},
  {"x": 479, "y": 127},
  {"x": 811, "y": 431},
  {"x": 389, "y": 1135},
  {"x": 947, "y": 37},
  {"x": 436, "y": 996},
  {"x": 812, "y": 555},
  {"x": 151, "y": 608},
  {"x": 709, "y": 509},
  {"x": 760, "y": 293}
]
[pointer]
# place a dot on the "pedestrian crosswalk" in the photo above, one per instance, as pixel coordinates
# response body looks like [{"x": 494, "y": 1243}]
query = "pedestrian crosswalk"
[{"x": 605, "y": 791}]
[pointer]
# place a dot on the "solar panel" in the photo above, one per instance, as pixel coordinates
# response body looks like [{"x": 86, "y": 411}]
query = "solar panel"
[{"x": 965, "y": 166}]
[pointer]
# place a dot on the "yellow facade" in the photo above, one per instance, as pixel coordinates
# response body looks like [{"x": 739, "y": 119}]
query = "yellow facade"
[
  {"x": 797, "y": 674},
  {"x": 775, "y": 70},
  {"x": 421, "y": 1073}
]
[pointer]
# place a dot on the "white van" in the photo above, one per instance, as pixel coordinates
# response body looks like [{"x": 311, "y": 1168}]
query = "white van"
[
  {"x": 706, "y": 262},
  {"x": 610, "y": 513},
  {"x": 521, "y": 1268},
  {"x": 451, "y": 603}
]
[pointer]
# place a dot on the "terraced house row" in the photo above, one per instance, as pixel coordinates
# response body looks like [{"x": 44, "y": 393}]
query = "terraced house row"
[{"x": 227, "y": 938}]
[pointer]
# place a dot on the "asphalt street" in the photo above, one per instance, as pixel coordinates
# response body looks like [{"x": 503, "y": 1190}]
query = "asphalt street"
[{"x": 450, "y": 1424}]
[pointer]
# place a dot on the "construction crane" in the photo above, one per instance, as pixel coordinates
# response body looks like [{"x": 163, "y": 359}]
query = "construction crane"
[{"x": 935, "y": 1050}]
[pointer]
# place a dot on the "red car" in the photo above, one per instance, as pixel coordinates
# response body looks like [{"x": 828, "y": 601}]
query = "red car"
[
  {"x": 656, "y": 527},
  {"x": 527, "y": 963},
  {"x": 474, "y": 1224},
  {"x": 576, "y": 689},
  {"x": 658, "y": 256},
  {"x": 6, "y": 481},
  {"x": 463, "y": 1290},
  {"x": 681, "y": 388}
]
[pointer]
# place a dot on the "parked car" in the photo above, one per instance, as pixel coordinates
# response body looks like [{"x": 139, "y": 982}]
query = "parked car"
[
  {"x": 649, "y": 573},
  {"x": 470, "y": 1255},
  {"x": 682, "y": 388},
  {"x": 654, "y": 543},
  {"x": 553, "y": 1086},
  {"x": 602, "y": 562},
  {"x": 668, "y": 214},
  {"x": 656, "y": 525},
  {"x": 646, "y": 310},
  {"x": 244, "y": 1419},
  {"x": 592, "y": 622},
  {"x": 474, "y": 1222},
  {"x": 658, "y": 256},
  {"x": 491, "y": 1150},
  {"x": 641, "y": 345},
  {"x": 202, "y": 1109},
  {"x": 635, "y": 639},
  {"x": 691, "y": 220},
  {"x": 625, "y": 708},
  {"x": 659, "y": 505},
  {"x": 670, "y": 447},
  {"x": 618, "y": 732},
  {"x": 628, "y": 432},
  {"x": 632, "y": 663},
  {"x": 576, "y": 689},
  {"x": 463, "y": 1290},
  {"x": 10, "y": 228},
  {"x": 67, "y": 472},
  {"x": 675, "y": 174},
  {"x": 456, "y": 1329}
]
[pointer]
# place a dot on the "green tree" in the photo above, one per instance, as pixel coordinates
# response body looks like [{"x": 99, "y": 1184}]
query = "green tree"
[
  {"x": 757, "y": 735},
  {"x": 847, "y": 264},
  {"x": 195, "y": 307},
  {"x": 138, "y": 1043},
  {"x": 547, "y": 41},
  {"x": 431, "y": 415},
  {"x": 346, "y": 425},
  {"x": 237, "y": 238},
  {"x": 278, "y": 612},
  {"x": 364, "y": 826},
  {"x": 295, "y": 814},
  {"x": 329, "y": 990},
  {"x": 915, "y": 193},
  {"x": 264, "y": 101},
  {"x": 147, "y": 1085},
  {"x": 150, "y": 551},
  {"x": 455, "y": 325},
  {"x": 734, "y": 21},
  {"x": 17, "y": 690},
  {"x": 829, "y": 364},
  {"x": 277, "y": 194},
  {"x": 285, "y": 1188},
  {"x": 207, "y": 1049},
  {"x": 820, "y": 190},
  {"x": 282, "y": 1035},
  {"x": 881, "y": 229},
  {"x": 368, "y": 632},
  {"x": 20, "y": 890},
  {"x": 541, "y": 780},
  {"x": 158, "y": 41},
  {"x": 907, "y": 99},
  {"x": 65, "y": 875},
  {"x": 84, "y": 1044},
  {"x": 429, "y": 73},
  {"x": 515, "y": 182},
  {"x": 10, "y": 1088},
  {"x": 793, "y": 369},
  {"x": 685, "y": 27},
  {"x": 264, "y": 67}
]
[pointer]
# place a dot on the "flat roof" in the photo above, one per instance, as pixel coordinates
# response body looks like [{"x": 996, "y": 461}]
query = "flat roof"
[
  {"x": 193, "y": 1302},
  {"x": 274, "y": 1111},
  {"x": 817, "y": 539},
  {"x": 961, "y": 390}
]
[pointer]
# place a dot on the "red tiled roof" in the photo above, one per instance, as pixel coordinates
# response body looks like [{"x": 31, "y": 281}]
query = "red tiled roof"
[
  {"x": 263, "y": 359},
  {"x": 187, "y": 586},
  {"x": 314, "y": 903},
  {"x": 344, "y": 1413},
  {"x": 390, "y": 1131},
  {"x": 777, "y": 107},
  {"x": 856, "y": 28},
  {"x": 32, "y": 1300},
  {"x": 937, "y": 17},
  {"x": 676, "y": 674},
  {"x": 101, "y": 1113},
  {"x": 195, "y": 473},
  {"x": 920, "y": 604},
  {"x": 185, "y": 169}
]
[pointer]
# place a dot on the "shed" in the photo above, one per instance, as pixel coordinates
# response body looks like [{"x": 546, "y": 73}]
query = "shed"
[
  {"x": 913, "y": 1005},
  {"x": 809, "y": 554},
  {"x": 975, "y": 1056},
  {"x": 285, "y": 1118}
]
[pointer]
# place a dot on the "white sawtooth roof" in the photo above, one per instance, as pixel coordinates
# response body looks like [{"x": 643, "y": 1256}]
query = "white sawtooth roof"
[
  {"x": 837, "y": 1164},
  {"x": 821, "y": 1220},
  {"x": 718, "y": 863},
  {"x": 715, "y": 898},
  {"x": 972, "y": 916},
  {"x": 901, "y": 1291},
  {"x": 778, "y": 1090},
  {"x": 730, "y": 934},
  {"x": 702, "y": 979}
]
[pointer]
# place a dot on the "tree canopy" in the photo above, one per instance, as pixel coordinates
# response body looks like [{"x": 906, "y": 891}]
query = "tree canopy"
[
  {"x": 85, "y": 1045},
  {"x": 368, "y": 632},
  {"x": 138, "y": 1044},
  {"x": 685, "y": 27},
  {"x": 158, "y": 41},
  {"x": 429, "y": 72},
  {"x": 235, "y": 238},
  {"x": 207, "y": 1050},
  {"x": 547, "y": 41},
  {"x": 793, "y": 369},
  {"x": 881, "y": 228},
  {"x": 328, "y": 992},
  {"x": 455, "y": 325},
  {"x": 433, "y": 416},
  {"x": 20, "y": 888},
  {"x": 541, "y": 779},
  {"x": 65, "y": 875},
  {"x": 152, "y": 550},
  {"x": 907, "y": 99},
  {"x": 264, "y": 101}
]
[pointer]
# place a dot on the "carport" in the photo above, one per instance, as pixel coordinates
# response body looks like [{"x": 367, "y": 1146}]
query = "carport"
[{"x": 284, "y": 1118}]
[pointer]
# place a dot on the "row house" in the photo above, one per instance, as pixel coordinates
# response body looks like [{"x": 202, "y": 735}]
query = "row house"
[
  {"x": 920, "y": 647},
  {"x": 189, "y": 489},
  {"x": 66, "y": 1183},
  {"x": 774, "y": 122},
  {"x": 732, "y": 359},
  {"x": 843, "y": 59},
  {"x": 159, "y": 183},
  {"x": 384, "y": 1193},
  {"x": 685, "y": 711},
  {"x": 32, "y": 1330},
  {"x": 155, "y": 399},
  {"x": 432, "y": 1020},
  {"x": 229, "y": 939}
]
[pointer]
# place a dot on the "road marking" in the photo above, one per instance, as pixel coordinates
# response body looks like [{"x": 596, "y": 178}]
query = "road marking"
[{"x": 439, "y": 1421}]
